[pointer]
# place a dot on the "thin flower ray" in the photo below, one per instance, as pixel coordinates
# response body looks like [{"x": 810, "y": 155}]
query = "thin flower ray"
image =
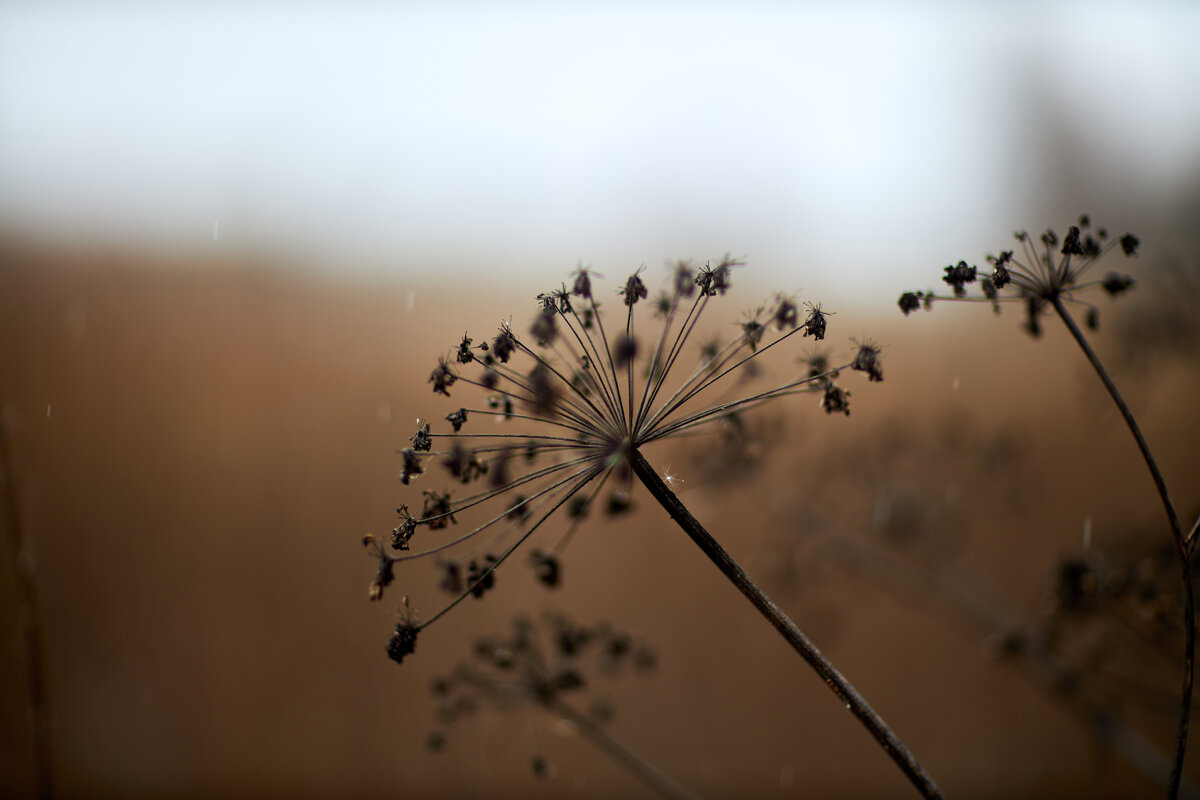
[
  {"x": 583, "y": 476},
  {"x": 705, "y": 416},
  {"x": 482, "y": 497},
  {"x": 673, "y": 406},
  {"x": 512, "y": 548}
]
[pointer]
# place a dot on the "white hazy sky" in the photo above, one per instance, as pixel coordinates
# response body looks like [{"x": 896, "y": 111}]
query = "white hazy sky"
[{"x": 840, "y": 142}]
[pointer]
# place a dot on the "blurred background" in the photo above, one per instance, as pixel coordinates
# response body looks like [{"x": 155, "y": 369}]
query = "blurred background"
[{"x": 234, "y": 238}]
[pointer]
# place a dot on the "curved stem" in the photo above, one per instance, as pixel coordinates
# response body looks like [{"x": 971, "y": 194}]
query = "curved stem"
[
  {"x": 644, "y": 771},
  {"x": 846, "y": 693},
  {"x": 1181, "y": 547}
]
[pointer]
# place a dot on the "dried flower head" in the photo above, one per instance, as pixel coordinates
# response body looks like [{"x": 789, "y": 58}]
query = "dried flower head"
[
  {"x": 562, "y": 414},
  {"x": 1037, "y": 277},
  {"x": 538, "y": 664}
]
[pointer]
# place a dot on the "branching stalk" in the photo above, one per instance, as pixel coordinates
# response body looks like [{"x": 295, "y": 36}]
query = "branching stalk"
[
  {"x": 1181, "y": 548},
  {"x": 846, "y": 693},
  {"x": 644, "y": 771}
]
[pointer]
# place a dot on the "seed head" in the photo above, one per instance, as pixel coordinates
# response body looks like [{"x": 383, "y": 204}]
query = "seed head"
[
  {"x": 1037, "y": 278},
  {"x": 573, "y": 401}
]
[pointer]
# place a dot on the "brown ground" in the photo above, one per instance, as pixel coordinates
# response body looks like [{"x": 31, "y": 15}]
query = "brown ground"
[{"x": 202, "y": 445}]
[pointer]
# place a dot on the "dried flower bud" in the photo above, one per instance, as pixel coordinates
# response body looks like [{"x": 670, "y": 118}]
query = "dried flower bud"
[
  {"x": 464, "y": 355},
  {"x": 421, "y": 440},
  {"x": 1129, "y": 244},
  {"x": 867, "y": 360},
  {"x": 1072, "y": 245},
  {"x": 583, "y": 284},
  {"x": 909, "y": 302},
  {"x": 412, "y": 465},
  {"x": 836, "y": 400},
  {"x": 403, "y": 641},
  {"x": 504, "y": 344},
  {"x": 457, "y": 418},
  {"x": 816, "y": 322},
  {"x": 958, "y": 276},
  {"x": 442, "y": 378},
  {"x": 436, "y": 513},
  {"x": 624, "y": 350},
  {"x": 546, "y": 567},
  {"x": 634, "y": 289},
  {"x": 1115, "y": 283},
  {"x": 404, "y": 531}
]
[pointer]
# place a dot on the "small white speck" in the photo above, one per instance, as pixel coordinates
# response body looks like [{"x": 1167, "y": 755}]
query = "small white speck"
[
  {"x": 47, "y": 411},
  {"x": 786, "y": 774},
  {"x": 954, "y": 385},
  {"x": 216, "y": 229},
  {"x": 1087, "y": 533},
  {"x": 670, "y": 478}
]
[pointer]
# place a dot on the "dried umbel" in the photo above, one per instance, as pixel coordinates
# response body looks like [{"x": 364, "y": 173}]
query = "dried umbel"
[
  {"x": 1037, "y": 274},
  {"x": 552, "y": 665},
  {"x": 565, "y": 413},
  {"x": 1049, "y": 278},
  {"x": 539, "y": 663},
  {"x": 560, "y": 412}
]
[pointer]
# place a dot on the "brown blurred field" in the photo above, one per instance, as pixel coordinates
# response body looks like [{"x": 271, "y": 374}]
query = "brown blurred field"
[{"x": 201, "y": 447}]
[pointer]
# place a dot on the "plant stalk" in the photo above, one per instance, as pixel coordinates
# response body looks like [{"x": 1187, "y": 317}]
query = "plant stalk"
[
  {"x": 642, "y": 770},
  {"x": 1181, "y": 547},
  {"x": 845, "y": 693}
]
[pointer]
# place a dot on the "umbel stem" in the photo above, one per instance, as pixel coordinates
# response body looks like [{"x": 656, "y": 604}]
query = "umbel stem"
[
  {"x": 846, "y": 693},
  {"x": 642, "y": 770},
  {"x": 1181, "y": 547}
]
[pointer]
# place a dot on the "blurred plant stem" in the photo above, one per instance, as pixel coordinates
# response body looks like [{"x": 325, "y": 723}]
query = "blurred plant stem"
[
  {"x": 967, "y": 598},
  {"x": 643, "y": 770},
  {"x": 845, "y": 693},
  {"x": 1182, "y": 548},
  {"x": 28, "y": 619}
]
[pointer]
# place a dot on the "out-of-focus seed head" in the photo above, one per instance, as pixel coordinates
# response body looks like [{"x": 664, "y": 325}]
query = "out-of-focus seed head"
[
  {"x": 403, "y": 642},
  {"x": 442, "y": 378}
]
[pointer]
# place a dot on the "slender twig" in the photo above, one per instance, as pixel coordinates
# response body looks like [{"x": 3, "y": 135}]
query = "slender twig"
[
  {"x": 641, "y": 769},
  {"x": 29, "y": 621},
  {"x": 846, "y": 693},
  {"x": 1181, "y": 547}
]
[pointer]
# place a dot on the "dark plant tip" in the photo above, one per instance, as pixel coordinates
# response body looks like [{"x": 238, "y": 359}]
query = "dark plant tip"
[
  {"x": 836, "y": 400},
  {"x": 421, "y": 440},
  {"x": 816, "y": 322},
  {"x": 1115, "y": 283},
  {"x": 458, "y": 418},
  {"x": 1129, "y": 244},
  {"x": 909, "y": 302},
  {"x": 547, "y": 568},
  {"x": 403, "y": 641},
  {"x": 634, "y": 289},
  {"x": 1072, "y": 244},
  {"x": 442, "y": 378},
  {"x": 958, "y": 276},
  {"x": 867, "y": 360}
]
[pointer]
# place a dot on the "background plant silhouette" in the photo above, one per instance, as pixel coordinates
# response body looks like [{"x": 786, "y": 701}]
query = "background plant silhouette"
[{"x": 1050, "y": 277}]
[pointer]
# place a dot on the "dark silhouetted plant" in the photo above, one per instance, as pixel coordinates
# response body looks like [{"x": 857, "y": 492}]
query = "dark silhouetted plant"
[
  {"x": 543, "y": 665},
  {"x": 1050, "y": 274},
  {"x": 584, "y": 400}
]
